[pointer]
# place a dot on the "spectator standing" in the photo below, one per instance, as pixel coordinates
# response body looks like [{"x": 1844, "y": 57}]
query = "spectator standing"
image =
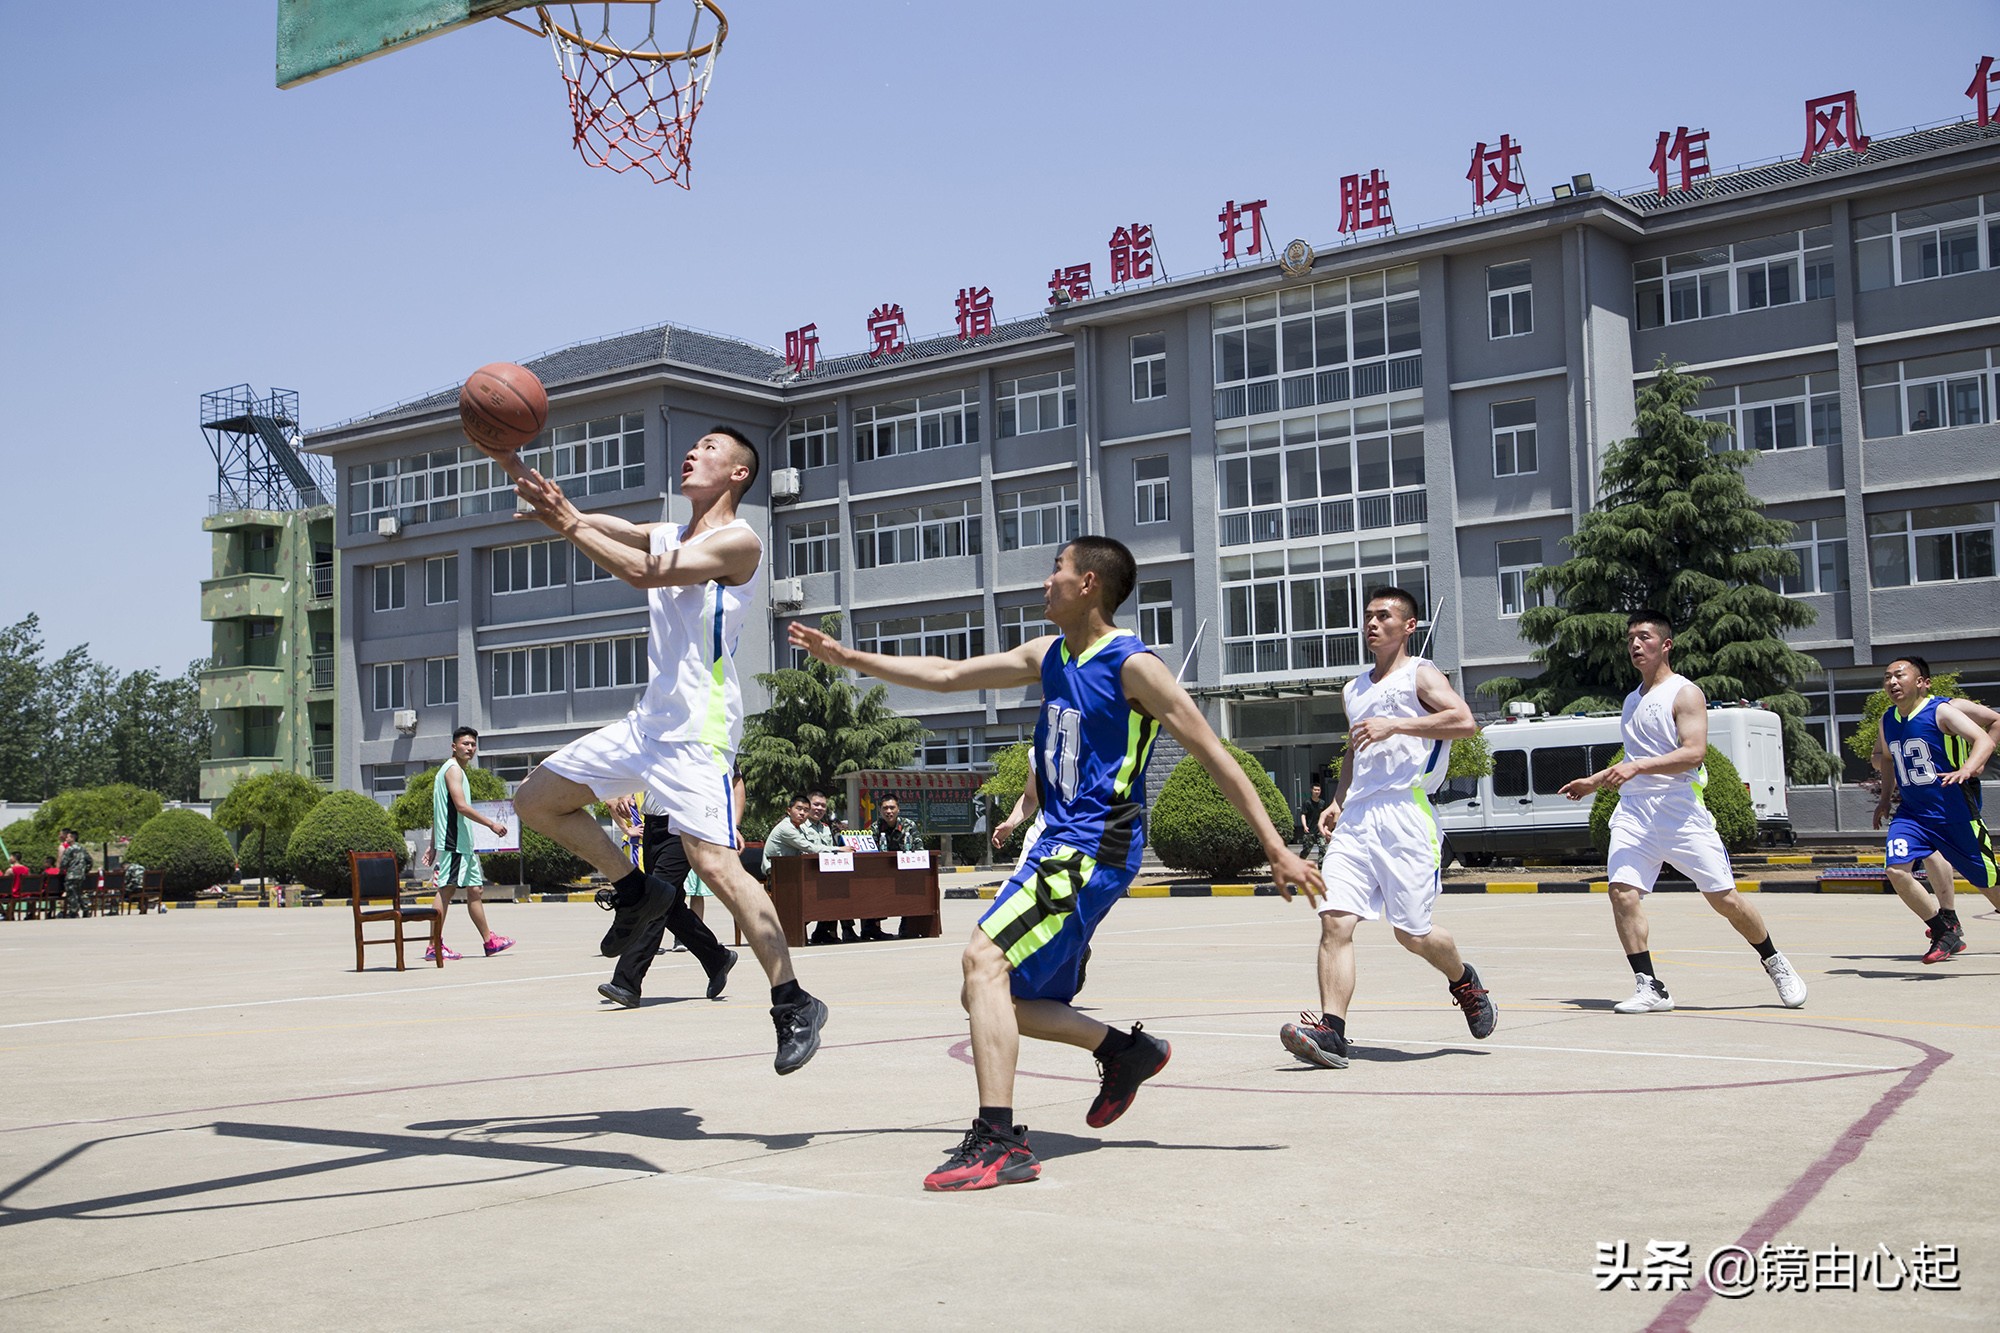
[{"x": 76, "y": 865}]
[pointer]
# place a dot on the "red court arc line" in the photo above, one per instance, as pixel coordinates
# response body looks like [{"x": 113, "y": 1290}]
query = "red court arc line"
[
  {"x": 456, "y": 1083},
  {"x": 1681, "y": 1311}
]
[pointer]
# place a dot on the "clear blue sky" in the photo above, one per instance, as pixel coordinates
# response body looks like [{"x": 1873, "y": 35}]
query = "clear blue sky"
[{"x": 175, "y": 224}]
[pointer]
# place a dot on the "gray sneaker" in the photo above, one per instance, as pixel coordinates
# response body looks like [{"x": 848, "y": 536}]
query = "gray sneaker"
[{"x": 1312, "y": 1042}]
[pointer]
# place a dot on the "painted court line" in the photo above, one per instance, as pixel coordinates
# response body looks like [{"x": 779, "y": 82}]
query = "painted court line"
[{"x": 1559, "y": 1050}]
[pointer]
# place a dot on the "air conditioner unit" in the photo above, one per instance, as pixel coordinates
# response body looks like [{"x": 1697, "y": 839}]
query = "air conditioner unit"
[
  {"x": 406, "y": 721},
  {"x": 788, "y": 593},
  {"x": 784, "y": 484},
  {"x": 388, "y": 527}
]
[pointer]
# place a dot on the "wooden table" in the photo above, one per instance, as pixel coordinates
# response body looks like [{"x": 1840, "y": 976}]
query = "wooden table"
[{"x": 874, "y": 888}]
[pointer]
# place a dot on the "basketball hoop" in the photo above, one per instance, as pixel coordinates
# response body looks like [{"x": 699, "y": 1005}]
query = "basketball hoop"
[{"x": 632, "y": 100}]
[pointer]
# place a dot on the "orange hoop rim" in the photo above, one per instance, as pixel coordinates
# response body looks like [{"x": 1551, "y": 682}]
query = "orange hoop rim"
[{"x": 551, "y": 28}]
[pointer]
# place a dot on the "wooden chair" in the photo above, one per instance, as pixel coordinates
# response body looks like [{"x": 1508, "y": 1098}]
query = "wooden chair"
[
  {"x": 378, "y": 896},
  {"x": 107, "y": 898},
  {"x": 146, "y": 895}
]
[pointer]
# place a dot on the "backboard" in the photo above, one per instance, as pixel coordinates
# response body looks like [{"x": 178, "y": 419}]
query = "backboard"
[{"x": 317, "y": 37}]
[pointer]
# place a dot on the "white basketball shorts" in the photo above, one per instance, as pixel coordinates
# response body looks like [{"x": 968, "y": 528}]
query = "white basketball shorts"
[
  {"x": 1383, "y": 860},
  {"x": 1645, "y": 834},
  {"x": 685, "y": 782}
]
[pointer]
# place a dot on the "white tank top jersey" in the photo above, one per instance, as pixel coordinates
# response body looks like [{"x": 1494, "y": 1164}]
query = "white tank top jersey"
[
  {"x": 1401, "y": 763},
  {"x": 1650, "y": 731},
  {"x": 693, "y": 694}
]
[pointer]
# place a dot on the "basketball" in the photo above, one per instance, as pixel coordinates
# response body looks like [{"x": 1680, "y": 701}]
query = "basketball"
[{"x": 502, "y": 407}]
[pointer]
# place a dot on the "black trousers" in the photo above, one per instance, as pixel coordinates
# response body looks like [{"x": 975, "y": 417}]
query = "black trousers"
[{"x": 667, "y": 860}]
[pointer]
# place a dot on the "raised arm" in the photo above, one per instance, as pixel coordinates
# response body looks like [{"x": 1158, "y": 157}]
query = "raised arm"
[
  {"x": 1153, "y": 688},
  {"x": 622, "y": 549},
  {"x": 1951, "y": 718},
  {"x": 1016, "y": 666}
]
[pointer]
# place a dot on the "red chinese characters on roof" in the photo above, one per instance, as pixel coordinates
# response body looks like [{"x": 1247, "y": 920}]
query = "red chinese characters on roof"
[
  {"x": 1985, "y": 78},
  {"x": 802, "y": 349},
  {"x": 975, "y": 311},
  {"x": 1069, "y": 284},
  {"x": 1496, "y": 171},
  {"x": 1364, "y": 202},
  {"x": 1132, "y": 252},
  {"x": 1231, "y": 217},
  {"x": 1685, "y": 149},
  {"x": 887, "y": 331},
  {"x": 1831, "y": 123}
]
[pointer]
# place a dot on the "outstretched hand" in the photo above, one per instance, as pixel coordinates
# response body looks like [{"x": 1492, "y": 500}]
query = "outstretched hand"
[
  {"x": 823, "y": 646},
  {"x": 546, "y": 502}
]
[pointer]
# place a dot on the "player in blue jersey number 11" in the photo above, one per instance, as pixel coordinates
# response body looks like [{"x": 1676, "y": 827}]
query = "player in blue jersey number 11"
[{"x": 1105, "y": 697}]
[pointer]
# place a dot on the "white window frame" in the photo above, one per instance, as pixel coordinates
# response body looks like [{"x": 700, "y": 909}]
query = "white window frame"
[
  {"x": 1944, "y": 379},
  {"x": 1034, "y": 404},
  {"x": 1757, "y": 414},
  {"x": 1888, "y": 243},
  {"x": 391, "y": 584},
  {"x": 598, "y": 457},
  {"x": 1149, "y": 367},
  {"x": 1514, "y": 567},
  {"x": 1821, "y": 547},
  {"x": 1318, "y": 473},
  {"x": 1967, "y": 532},
  {"x": 813, "y": 441},
  {"x": 1285, "y": 347},
  {"x": 387, "y": 687},
  {"x": 1152, "y": 490},
  {"x": 912, "y": 425},
  {"x": 585, "y": 570},
  {"x": 1156, "y": 612},
  {"x": 1021, "y": 624},
  {"x": 529, "y": 567},
  {"x": 812, "y": 546},
  {"x": 527, "y": 672},
  {"x": 947, "y": 747},
  {"x": 609, "y": 664},
  {"x": 1042, "y": 516},
  {"x": 1510, "y": 306},
  {"x": 1718, "y": 279},
  {"x": 1510, "y": 439},
  {"x": 441, "y": 580},
  {"x": 943, "y": 531},
  {"x": 957, "y": 635},
  {"x": 440, "y": 682},
  {"x": 1297, "y": 611}
]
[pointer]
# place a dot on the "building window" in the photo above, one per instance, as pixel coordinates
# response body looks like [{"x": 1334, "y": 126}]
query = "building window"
[
  {"x": 1150, "y": 490},
  {"x": 1929, "y": 393},
  {"x": 1938, "y": 544},
  {"x": 390, "y": 590},
  {"x": 512, "y": 769},
  {"x": 1036, "y": 403},
  {"x": 1156, "y": 612},
  {"x": 1796, "y": 413},
  {"x": 949, "y": 748},
  {"x": 1046, "y": 516},
  {"x": 1514, "y": 438},
  {"x": 813, "y": 441},
  {"x": 1510, "y": 300},
  {"x": 387, "y": 678},
  {"x": 1021, "y": 624},
  {"x": 957, "y": 635},
  {"x": 1821, "y": 547},
  {"x": 260, "y": 551},
  {"x": 907, "y": 425},
  {"x": 440, "y": 681},
  {"x": 1321, "y": 473},
  {"x": 1298, "y": 610},
  {"x": 1935, "y": 241},
  {"x": 260, "y": 643},
  {"x": 905, "y": 536},
  {"x": 1343, "y": 339},
  {"x": 1517, "y": 560},
  {"x": 609, "y": 664},
  {"x": 813, "y": 547},
  {"x": 1149, "y": 367},
  {"x": 1784, "y": 269},
  {"x": 518, "y": 672},
  {"x": 440, "y": 580},
  {"x": 530, "y": 566},
  {"x": 387, "y": 779},
  {"x": 608, "y": 454},
  {"x": 586, "y": 570}
]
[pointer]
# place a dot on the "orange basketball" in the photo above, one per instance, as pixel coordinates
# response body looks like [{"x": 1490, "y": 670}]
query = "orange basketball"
[{"x": 502, "y": 407}]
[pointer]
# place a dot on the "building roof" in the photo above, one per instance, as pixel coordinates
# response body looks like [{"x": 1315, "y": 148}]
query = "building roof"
[{"x": 1790, "y": 171}]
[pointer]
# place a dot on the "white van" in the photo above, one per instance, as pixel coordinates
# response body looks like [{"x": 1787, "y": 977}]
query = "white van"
[{"x": 1517, "y": 810}]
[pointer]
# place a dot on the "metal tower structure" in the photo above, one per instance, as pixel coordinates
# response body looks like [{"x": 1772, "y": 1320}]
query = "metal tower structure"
[{"x": 255, "y": 442}]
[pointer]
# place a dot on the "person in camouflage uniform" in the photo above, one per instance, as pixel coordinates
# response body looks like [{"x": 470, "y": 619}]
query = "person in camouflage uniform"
[
  {"x": 892, "y": 833},
  {"x": 76, "y": 865}
]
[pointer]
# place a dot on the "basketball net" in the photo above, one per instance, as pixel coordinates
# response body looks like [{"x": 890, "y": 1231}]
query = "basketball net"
[{"x": 632, "y": 100}]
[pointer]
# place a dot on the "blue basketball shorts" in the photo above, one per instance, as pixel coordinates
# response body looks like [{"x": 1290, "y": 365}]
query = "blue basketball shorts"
[
  {"x": 1965, "y": 842},
  {"x": 1044, "y": 916}
]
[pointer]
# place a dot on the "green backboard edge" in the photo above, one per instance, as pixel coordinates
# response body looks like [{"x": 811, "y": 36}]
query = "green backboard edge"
[{"x": 317, "y": 37}]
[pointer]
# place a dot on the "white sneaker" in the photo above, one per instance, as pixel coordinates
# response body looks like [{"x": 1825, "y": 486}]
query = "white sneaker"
[
  {"x": 1791, "y": 989},
  {"x": 1650, "y": 997}
]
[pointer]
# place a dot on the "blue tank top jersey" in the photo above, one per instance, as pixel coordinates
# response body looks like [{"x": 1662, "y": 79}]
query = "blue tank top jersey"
[
  {"x": 1922, "y": 752},
  {"x": 1091, "y": 747}
]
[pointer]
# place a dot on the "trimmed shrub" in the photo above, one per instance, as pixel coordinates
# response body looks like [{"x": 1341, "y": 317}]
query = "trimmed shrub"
[
  {"x": 345, "y": 821},
  {"x": 263, "y": 810},
  {"x": 98, "y": 814},
  {"x": 1195, "y": 828},
  {"x": 185, "y": 848},
  {"x": 1725, "y": 797},
  {"x": 542, "y": 863},
  {"x": 33, "y": 844}
]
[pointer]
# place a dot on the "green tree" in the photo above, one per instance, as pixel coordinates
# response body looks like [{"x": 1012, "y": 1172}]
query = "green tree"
[
  {"x": 1010, "y": 778},
  {"x": 1677, "y": 530},
  {"x": 343, "y": 822},
  {"x": 1861, "y": 741},
  {"x": 158, "y": 733},
  {"x": 21, "y": 701},
  {"x": 32, "y": 844},
  {"x": 262, "y": 811},
  {"x": 75, "y": 747},
  {"x": 1194, "y": 827},
  {"x": 184, "y": 847},
  {"x": 413, "y": 809},
  {"x": 106, "y": 814},
  {"x": 819, "y": 726}
]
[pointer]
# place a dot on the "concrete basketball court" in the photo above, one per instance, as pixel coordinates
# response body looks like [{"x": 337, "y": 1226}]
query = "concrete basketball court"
[{"x": 210, "y": 1120}]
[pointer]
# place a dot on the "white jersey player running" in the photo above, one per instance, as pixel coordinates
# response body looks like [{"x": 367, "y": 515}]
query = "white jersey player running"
[
  {"x": 1661, "y": 820},
  {"x": 1382, "y": 837}
]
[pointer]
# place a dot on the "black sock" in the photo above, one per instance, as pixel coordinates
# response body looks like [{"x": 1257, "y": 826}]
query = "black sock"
[
  {"x": 787, "y": 993},
  {"x": 1765, "y": 949},
  {"x": 1465, "y": 976},
  {"x": 1938, "y": 923},
  {"x": 1113, "y": 1043},
  {"x": 1336, "y": 1022},
  {"x": 1950, "y": 915},
  {"x": 1642, "y": 961},
  {"x": 630, "y": 888},
  {"x": 999, "y": 1117}
]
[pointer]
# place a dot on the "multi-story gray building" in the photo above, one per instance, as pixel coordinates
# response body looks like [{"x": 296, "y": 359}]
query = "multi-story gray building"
[{"x": 1429, "y": 408}]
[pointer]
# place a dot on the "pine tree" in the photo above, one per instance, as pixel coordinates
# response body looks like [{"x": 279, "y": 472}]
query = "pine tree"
[
  {"x": 819, "y": 726},
  {"x": 1677, "y": 531}
]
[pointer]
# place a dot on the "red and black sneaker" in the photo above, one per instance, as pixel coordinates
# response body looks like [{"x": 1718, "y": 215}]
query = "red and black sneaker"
[
  {"x": 987, "y": 1156},
  {"x": 1944, "y": 943},
  {"x": 1123, "y": 1073}
]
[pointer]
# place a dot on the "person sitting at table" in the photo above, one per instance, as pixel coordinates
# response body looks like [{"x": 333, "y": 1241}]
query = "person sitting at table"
[
  {"x": 798, "y": 835},
  {"x": 892, "y": 833}
]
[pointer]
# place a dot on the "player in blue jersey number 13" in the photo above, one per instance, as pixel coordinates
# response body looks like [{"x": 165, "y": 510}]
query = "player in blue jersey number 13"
[{"x": 1105, "y": 697}]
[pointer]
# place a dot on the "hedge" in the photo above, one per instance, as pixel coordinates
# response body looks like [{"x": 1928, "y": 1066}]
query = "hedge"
[
  {"x": 1195, "y": 828},
  {"x": 1725, "y": 796},
  {"x": 185, "y": 848},
  {"x": 346, "y": 821},
  {"x": 548, "y": 864}
]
